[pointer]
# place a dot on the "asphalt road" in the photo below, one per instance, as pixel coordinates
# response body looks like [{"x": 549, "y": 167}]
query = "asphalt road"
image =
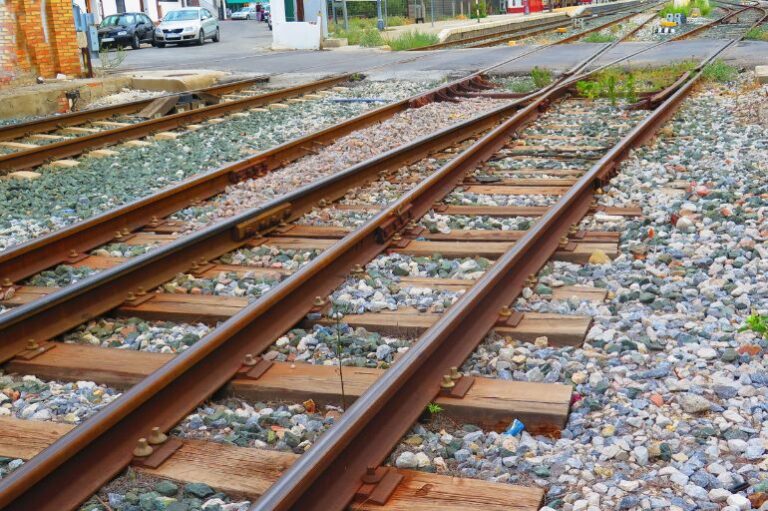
[
  {"x": 244, "y": 49},
  {"x": 239, "y": 40}
]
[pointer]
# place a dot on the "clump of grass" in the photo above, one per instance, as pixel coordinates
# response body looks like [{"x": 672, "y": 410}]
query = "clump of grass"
[
  {"x": 412, "y": 39},
  {"x": 702, "y": 5},
  {"x": 614, "y": 83},
  {"x": 478, "y": 11},
  {"x": 359, "y": 26},
  {"x": 597, "y": 37},
  {"x": 541, "y": 77},
  {"x": 757, "y": 34},
  {"x": 756, "y": 323},
  {"x": 371, "y": 38},
  {"x": 719, "y": 71}
]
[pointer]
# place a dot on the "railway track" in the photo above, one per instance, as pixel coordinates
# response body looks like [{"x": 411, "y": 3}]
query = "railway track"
[
  {"x": 107, "y": 133},
  {"x": 541, "y": 27},
  {"x": 547, "y": 178}
]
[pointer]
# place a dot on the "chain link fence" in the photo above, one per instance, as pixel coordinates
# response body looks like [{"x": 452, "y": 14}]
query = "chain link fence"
[{"x": 414, "y": 10}]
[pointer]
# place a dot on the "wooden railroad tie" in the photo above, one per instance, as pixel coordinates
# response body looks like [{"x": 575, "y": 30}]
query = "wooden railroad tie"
[
  {"x": 492, "y": 403},
  {"x": 250, "y": 472}
]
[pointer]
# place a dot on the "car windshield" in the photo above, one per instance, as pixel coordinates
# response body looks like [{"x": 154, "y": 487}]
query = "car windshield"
[
  {"x": 115, "y": 20},
  {"x": 247, "y": 9},
  {"x": 181, "y": 16}
]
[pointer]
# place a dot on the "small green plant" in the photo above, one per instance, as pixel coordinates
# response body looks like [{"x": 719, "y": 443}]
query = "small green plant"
[
  {"x": 541, "y": 77},
  {"x": 588, "y": 89},
  {"x": 719, "y": 71},
  {"x": 757, "y": 34},
  {"x": 597, "y": 37},
  {"x": 609, "y": 86},
  {"x": 412, "y": 39},
  {"x": 434, "y": 408},
  {"x": 629, "y": 89},
  {"x": 371, "y": 38},
  {"x": 756, "y": 323},
  {"x": 479, "y": 10}
]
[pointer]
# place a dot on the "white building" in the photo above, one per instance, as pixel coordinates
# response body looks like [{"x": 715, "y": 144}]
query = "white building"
[{"x": 155, "y": 9}]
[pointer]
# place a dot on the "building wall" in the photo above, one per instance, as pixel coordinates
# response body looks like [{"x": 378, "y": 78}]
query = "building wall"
[{"x": 40, "y": 35}]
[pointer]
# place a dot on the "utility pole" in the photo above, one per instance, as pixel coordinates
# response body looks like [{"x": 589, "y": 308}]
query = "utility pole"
[
  {"x": 432, "y": 11},
  {"x": 380, "y": 21},
  {"x": 344, "y": 13}
]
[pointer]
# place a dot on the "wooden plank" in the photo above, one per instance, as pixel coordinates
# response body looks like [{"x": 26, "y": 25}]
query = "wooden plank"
[
  {"x": 585, "y": 293},
  {"x": 527, "y": 181},
  {"x": 500, "y": 211},
  {"x": 495, "y": 235},
  {"x": 508, "y": 211},
  {"x": 421, "y": 491},
  {"x": 151, "y": 238},
  {"x": 186, "y": 308},
  {"x": 288, "y": 243},
  {"x": 495, "y": 249},
  {"x": 250, "y": 472},
  {"x": 18, "y": 145},
  {"x": 535, "y": 171},
  {"x": 559, "y": 329},
  {"x": 492, "y": 403},
  {"x": 313, "y": 231},
  {"x": 105, "y": 262},
  {"x": 516, "y": 190}
]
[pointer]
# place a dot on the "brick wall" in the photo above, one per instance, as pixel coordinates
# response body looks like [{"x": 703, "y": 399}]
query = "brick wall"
[{"x": 41, "y": 50}]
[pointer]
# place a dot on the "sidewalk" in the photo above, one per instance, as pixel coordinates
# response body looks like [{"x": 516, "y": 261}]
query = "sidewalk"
[{"x": 449, "y": 30}]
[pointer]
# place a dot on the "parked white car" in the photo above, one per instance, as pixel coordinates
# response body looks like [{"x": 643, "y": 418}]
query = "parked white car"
[
  {"x": 246, "y": 13},
  {"x": 192, "y": 24}
]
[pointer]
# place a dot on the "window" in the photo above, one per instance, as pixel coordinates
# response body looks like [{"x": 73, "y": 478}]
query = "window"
[
  {"x": 182, "y": 16},
  {"x": 207, "y": 14}
]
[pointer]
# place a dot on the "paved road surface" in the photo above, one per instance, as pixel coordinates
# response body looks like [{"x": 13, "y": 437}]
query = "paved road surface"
[{"x": 244, "y": 49}]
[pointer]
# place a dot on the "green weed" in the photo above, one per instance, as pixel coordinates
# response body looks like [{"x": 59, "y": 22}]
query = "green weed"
[
  {"x": 757, "y": 34},
  {"x": 756, "y": 323},
  {"x": 597, "y": 37},
  {"x": 413, "y": 39},
  {"x": 480, "y": 9},
  {"x": 371, "y": 38},
  {"x": 541, "y": 77},
  {"x": 434, "y": 408},
  {"x": 719, "y": 71}
]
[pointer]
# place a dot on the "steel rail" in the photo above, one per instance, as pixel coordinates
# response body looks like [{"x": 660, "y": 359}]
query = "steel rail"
[
  {"x": 65, "y": 308},
  {"x": 39, "y": 155},
  {"x": 92, "y": 453},
  {"x": 69, "y": 306},
  {"x": 36, "y": 255},
  {"x": 327, "y": 476},
  {"x": 496, "y": 38},
  {"x": 714, "y": 23},
  {"x": 51, "y": 123},
  {"x": 98, "y": 449}
]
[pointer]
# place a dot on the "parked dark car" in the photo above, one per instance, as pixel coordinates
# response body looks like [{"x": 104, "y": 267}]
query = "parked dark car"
[{"x": 126, "y": 29}]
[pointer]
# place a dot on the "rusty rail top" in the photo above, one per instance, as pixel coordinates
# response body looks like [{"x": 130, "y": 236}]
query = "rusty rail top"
[
  {"x": 50, "y": 123},
  {"x": 76, "y": 465},
  {"x": 327, "y": 476},
  {"x": 36, "y": 255}
]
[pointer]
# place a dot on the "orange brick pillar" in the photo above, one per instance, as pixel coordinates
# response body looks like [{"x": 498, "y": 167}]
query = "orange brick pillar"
[
  {"x": 61, "y": 23},
  {"x": 45, "y": 37}
]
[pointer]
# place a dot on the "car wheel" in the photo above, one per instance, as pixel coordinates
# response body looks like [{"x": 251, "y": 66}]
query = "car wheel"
[
  {"x": 217, "y": 36},
  {"x": 200, "y": 38},
  {"x": 135, "y": 42}
]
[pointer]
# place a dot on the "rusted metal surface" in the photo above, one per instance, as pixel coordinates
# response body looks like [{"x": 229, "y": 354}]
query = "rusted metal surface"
[
  {"x": 32, "y": 157},
  {"x": 327, "y": 476},
  {"x": 68, "y": 307},
  {"x": 74, "y": 118}
]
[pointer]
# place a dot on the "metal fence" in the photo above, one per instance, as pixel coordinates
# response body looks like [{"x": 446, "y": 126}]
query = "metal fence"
[{"x": 421, "y": 10}]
